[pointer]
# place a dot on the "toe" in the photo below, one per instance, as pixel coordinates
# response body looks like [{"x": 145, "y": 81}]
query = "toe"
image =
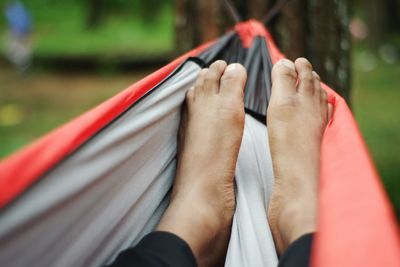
[
  {"x": 199, "y": 84},
  {"x": 306, "y": 78},
  {"x": 316, "y": 75},
  {"x": 326, "y": 106},
  {"x": 213, "y": 76},
  {"x": 317, "y": 84},
  {"x": 330, "y": 111},
  {"x": 190, "y": 95},
  {"x": 233, "y": 80},
  {"x": 324, "y": 96},
  {"x": 284, "y": 78}
]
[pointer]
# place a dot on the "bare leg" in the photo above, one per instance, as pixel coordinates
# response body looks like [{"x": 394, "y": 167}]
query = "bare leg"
[
  {"x": 297, "y": 116},
  {"x": 203, "y": 199}
]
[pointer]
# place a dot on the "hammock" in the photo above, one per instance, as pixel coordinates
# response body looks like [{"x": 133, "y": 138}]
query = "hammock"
[{"x": 95, "y": 186}]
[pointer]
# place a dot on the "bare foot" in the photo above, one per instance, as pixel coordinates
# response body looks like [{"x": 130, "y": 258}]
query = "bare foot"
[
  {"x": 203, "y": 199},
  {"x": 297, "y": 117}
]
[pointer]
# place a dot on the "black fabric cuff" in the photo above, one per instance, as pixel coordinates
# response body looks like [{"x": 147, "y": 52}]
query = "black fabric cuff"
[
  {"x": 157, "y": 249},
  {"x": 298, "y": 253}
]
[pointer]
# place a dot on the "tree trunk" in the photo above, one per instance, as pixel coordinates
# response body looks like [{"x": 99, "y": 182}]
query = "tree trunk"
[
  {"x": 382, "y": 18},
  {"x": 317, "y": 30},
  {"x": 94, "y": 13},
  {"x": 329, "y": 43}
]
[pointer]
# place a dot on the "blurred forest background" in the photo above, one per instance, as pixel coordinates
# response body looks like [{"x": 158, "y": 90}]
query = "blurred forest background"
[{"x": 77, "y": 53}]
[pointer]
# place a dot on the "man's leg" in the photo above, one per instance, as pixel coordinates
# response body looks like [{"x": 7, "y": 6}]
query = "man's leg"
[
  {"x": 203, "y": 199},
  {"x": 297, "y": 117}
]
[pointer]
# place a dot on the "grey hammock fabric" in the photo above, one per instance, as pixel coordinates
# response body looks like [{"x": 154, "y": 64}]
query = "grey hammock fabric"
[{"x": 111, "y": 192}]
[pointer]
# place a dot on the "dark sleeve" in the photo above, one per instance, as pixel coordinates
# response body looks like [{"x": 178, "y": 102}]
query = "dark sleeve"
[
  {"x": 298, "y": 253},
  {"x": 157, "y": 249}
]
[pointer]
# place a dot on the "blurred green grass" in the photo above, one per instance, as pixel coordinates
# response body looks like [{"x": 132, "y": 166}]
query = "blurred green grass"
[
  {"x": 60, "y": 30},
  {"x": 376, "y": 106}
]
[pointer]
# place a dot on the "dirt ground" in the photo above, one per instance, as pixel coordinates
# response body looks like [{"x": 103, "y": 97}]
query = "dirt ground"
[{"x": 32, "y": 104}]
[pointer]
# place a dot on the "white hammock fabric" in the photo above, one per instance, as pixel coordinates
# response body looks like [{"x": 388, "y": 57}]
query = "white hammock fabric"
[{"x": 105, "y": 198}]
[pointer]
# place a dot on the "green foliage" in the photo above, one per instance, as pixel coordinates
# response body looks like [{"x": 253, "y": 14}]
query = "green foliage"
[
  {"x": 60, "y": 28},
  {"x": 376, "y": 108},
  {"x": 147, "y": 10}
]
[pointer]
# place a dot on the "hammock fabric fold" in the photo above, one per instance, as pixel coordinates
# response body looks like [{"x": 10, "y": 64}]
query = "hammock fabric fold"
[{"x": 132, "y": 136}]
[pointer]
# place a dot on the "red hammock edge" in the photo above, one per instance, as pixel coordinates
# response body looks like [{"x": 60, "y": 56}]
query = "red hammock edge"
[{"x": 356, "y": 223}]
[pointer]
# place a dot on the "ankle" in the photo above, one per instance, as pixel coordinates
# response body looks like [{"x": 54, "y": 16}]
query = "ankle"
[
  {"x": 296, "y": 218},
  {"x": 193, "y": 220}
]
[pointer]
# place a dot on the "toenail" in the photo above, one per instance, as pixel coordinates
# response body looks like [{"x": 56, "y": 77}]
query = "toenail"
[
  {"x": 287, "y": 63},
  {"x": 304, "y": 63},
  {"x": 231, "y": 67},
  {"x": 204, "y": 71},
  {"x": 316, "y": 75}
]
